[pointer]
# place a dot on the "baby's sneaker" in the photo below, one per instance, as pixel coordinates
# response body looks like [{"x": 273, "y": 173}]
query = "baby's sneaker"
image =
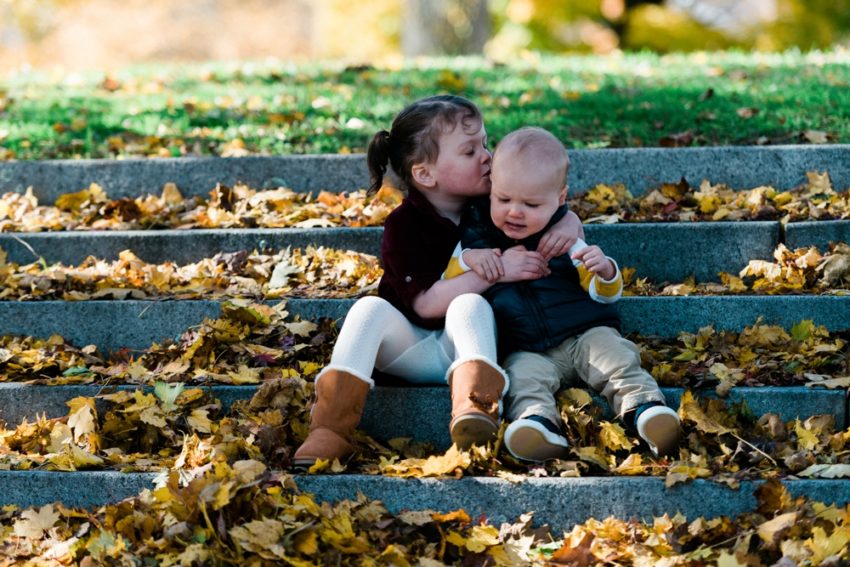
[
  {"x": 536, "y": 439},
  {"x": 658, "y": 425}
]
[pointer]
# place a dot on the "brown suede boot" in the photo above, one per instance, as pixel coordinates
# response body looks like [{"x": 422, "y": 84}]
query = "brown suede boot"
[
  {"x": 476, "y": 389},
  {"x": 339, "y": 404}
]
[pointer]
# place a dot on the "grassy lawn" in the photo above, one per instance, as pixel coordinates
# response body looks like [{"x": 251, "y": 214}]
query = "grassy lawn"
[{"x": 277, "y": 108}]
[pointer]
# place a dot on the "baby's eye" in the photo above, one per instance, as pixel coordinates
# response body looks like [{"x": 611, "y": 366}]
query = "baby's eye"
[
  {"x": 532, "y": 205},
  {"x": 502, "y": 199}
]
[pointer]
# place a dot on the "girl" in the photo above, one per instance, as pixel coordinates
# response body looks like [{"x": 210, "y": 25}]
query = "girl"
[{"x": 420, "y": 327}]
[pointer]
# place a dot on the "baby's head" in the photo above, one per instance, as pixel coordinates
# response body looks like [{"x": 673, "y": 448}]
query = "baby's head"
[{"x": 528, "y": 177}]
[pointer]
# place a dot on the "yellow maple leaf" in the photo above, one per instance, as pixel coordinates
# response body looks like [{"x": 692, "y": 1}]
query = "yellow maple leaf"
[
  {"x": 823, "y": 546},
  {"x": 690, "y": 410},
  {"x": 806, "y": 439},
  {"x": 82, "y": 418},
  {"x": 631, "y": 465},
  {"x": 438, "y": 465},
  {"x": 33, "y": 524},
  {"x": 772, "y": 530},
  {"x": 613, "y": 437},
  {"x": 482, "y": 537}
]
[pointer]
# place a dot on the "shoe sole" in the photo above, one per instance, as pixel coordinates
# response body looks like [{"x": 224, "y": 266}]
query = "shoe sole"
[
  {"x": 662, "y": 431},
  {"x": 472, "y": 429},
  {"x": 530, "y": 444}
]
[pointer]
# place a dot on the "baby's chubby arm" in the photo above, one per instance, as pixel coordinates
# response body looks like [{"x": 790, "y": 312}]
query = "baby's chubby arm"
[
  {"x": 596, "y": 262},
  {"x": 599, "y": 275}
]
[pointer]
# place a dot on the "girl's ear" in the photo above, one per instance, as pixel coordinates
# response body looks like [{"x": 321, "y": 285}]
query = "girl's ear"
[{"x": 421, "y": 174}]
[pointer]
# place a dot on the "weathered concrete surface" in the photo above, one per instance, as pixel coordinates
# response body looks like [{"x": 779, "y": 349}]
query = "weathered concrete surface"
[
  {"x": 668, "y": 316},
  {"x": 417, "y": 412},
  {"x": 179, "y": 246},
  {"x": 741, "y": 167},
  {"x": 562, "y": 502},
  {"x": 558, "y": 502},
  {"x": 660, "y": 251},
  {"x": 194, "y": 176},
  {"x": 816, "y": 233},
  {"x": 111, "y": 325},
  {"x": 674, "y": 251}
]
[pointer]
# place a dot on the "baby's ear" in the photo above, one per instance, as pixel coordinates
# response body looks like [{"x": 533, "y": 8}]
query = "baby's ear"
[
  {"x": 421, "y": 174},
  {"x": 562, "y": 197}
]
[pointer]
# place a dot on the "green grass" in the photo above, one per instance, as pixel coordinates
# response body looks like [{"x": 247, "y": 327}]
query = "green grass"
[{"x": 277, "y": 108}]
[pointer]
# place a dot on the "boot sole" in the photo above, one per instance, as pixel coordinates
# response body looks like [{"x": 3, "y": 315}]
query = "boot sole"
[
  {"x": 473, "y": 429},
  {"x": 662, "y": 434},
  {"x": 529, "y": 441}
]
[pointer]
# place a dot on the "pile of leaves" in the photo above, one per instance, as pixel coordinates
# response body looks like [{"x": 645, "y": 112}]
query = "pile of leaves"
[
  {"x": 760, "y": 355},
  {"x": 228, "y": 207},
  {"x": 182, "y": 428},
  {"x": 804, "y": 270},
  {"x": 244, "y": 514},
  {"x": 247, "y": 344},
  {"x": 679, "y": 202},
  {"x": 242, "y": 206},
  {"x": 332, "y": 273},
  {"x": 250, "y": 343},
  {"x": 217, "y": 500},
  {"x": 311, "y": 272}
]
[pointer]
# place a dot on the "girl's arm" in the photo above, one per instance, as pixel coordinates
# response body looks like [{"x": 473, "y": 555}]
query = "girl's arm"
[
  {"x": 434, "y": 302},
  {"x": 519, "y": 264},
  {"x": 561, "y": 236}
]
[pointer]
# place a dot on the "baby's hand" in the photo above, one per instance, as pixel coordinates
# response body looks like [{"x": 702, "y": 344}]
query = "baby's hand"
[
  {"x": 485, "y": 262},
  {"x": 521, "y": 264},
  {"x": 596, "y": 262},
  {"x": 561, "y": 236}
]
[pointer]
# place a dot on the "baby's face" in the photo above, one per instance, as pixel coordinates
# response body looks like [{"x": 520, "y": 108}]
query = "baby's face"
[{"x": 524, "y": 197}]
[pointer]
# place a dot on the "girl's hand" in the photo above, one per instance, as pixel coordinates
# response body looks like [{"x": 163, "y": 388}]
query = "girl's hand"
[
  {"x": 486, "y": 262},
  {"x": 521, "y": 264},
  {"x": 563, "y": 234},
  {"x": 596, "y": 262}
]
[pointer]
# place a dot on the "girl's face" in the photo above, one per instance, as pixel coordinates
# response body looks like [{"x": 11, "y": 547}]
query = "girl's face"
[{"x": 463, "y": 166}]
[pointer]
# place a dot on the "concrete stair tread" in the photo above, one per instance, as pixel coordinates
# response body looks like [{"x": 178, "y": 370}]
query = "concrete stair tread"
[
  {"x": 422, "y": 412},
  {"x": 701, "y": 249},
  {"x": 143, "y": 322},
  {"x": 559, "y": 502},
  {"x": 639, "y": 169}
]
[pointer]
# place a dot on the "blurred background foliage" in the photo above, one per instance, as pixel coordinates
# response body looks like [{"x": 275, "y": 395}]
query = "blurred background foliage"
[{"x": 98, "y": 33}]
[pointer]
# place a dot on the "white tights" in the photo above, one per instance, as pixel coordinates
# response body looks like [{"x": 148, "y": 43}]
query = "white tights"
[{"x": 376, "y": 335}]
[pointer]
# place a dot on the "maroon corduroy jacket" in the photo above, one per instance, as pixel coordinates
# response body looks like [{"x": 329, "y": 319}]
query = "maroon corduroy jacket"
[{"x": 415, "y": 251}]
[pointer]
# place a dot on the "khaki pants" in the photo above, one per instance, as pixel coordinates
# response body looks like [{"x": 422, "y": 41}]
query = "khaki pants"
[{"x": 600, "y": 357}]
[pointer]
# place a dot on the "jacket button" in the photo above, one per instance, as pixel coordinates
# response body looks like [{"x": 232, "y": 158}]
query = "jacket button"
[{"x": 408, "y": 279}]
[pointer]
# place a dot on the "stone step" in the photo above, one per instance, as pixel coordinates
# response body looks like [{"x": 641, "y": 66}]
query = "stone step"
[
  {"x": 816, "y": 233},
  {"x": 660, "y": 251},
  {"x": 639, "y": 169},
  {"x": 422, "y": 413},
  {"x": 559, "y": 502},
  {"x": 136, "y": 324}
]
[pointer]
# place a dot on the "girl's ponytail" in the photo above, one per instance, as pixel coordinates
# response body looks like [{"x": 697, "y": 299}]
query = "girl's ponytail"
[{"x": 377, "y": 158}]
